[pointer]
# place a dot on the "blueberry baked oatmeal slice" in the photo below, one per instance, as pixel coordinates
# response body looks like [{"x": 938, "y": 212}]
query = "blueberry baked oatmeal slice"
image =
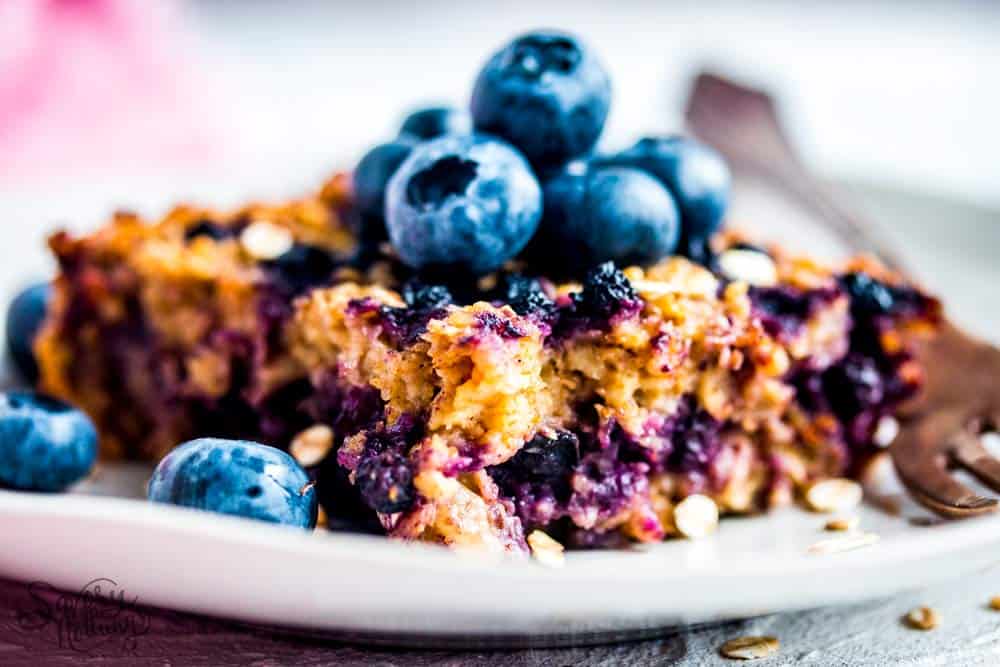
[
  {"x": 478, "y": 335},
  {"x": 587, "y": 410},
  {"x": 592, "y": 409},
  {"x": 163, "y": 330}
]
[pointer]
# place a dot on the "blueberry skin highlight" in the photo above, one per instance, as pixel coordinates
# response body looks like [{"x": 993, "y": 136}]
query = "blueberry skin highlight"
[
  {"x": 373, "y": 173},
  {"x": 599, "y": 214},
  {"x": 236, "y": 477},
  {"x": 45, "y": 444},
  {"x": 695, "y": 174},
  {"x": 464, "y": 204},
  {"x": 434, "y": 122},
  {"x": 546, "y": 93},
  {"x": 24, "y": 318}
]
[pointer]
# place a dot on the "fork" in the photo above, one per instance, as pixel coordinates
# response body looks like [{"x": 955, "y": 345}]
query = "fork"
[{"x": 941, "y": 428}]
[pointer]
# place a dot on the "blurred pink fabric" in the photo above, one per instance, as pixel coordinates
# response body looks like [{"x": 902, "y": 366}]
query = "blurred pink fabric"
[{"x": 98, "y": 84}]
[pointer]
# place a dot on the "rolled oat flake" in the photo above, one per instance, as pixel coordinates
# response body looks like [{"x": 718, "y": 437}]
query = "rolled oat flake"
[{"x": 750, "y": 648}]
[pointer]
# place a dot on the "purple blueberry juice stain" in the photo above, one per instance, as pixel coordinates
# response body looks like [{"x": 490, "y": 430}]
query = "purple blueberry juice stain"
[
  {"x": 383, "y": 472},
  {"x": 867, "y": 383},
  {"x": 603, "y": 487},
  {"x": 402, "y": 326},
  {"x": 490, "y": 322},
  {"x": 594, "y": 473},
  {"x": 784, "y": 310}
]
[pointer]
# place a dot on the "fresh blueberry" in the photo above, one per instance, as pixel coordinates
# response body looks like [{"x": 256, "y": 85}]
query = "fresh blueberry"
[
  {"x": 236, "y": 477},
  {"x": 695, "y": 174},
  {"x": 465, "y": 203},
  {"x": 45, "y": 444},
  {"x": 599, "y": 214},
  {"x": 372, "y": 175},
  {"x": 24, "y": 319},
  {"x": 434, "y": 122},
  {"x": 546, "y": 93}
]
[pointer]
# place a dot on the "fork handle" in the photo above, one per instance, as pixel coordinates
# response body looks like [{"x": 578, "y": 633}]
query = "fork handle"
[{"x": 792, "y": 179}]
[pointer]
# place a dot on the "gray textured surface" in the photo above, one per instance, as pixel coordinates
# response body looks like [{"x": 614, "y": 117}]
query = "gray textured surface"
[{"x": 868, "y": 634}]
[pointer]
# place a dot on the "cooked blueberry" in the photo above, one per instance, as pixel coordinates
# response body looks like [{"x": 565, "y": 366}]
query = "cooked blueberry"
[
  {"x": 385, "y": 481},
  {"x": 45, "y": 444},
  {"x": 546, "y": 459},
  {"x": 208, "y": 229},
  {"x": 872, "y": 297},
  {"x": 236, "y": 477},
  {"x": 421, "y": 296},
  {"x": 302, "y": 267},
  {"x": 604, "y": 214},
  {"x": 434, "y": 122},
  {"x": 783, "y": 310},
  {"x": 695, "y": 174},
  {"x": 24, "y": 319},
  {"x": 525, "y": 295},
  {"x": 491, "y": 322},
  {"x": 694, "y": 436},
  {"x": 606, "y": 293},
  {"x": 603, "y": 487},
  {"x": 854, "y": 384},
  {"x": 546, "y": 93},
  {"x": 372, "y": 175},
  {"x": 466, "y": 203}
]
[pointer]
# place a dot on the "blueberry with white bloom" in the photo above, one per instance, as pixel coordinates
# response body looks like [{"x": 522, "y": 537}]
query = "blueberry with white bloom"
[
  {"x": 546, "y": 93},
  {"x": 696, "y": 175},
  {"x": 434, "y": 122},
  {"x": 236, "y": 477},
  {"x": 595, "y": 214},
  {"x": 24, "y": 318},
  {"x": 45, "y": 444},
  {"x": 462, "y": 203},
  {"x": 373, "y": 173}
]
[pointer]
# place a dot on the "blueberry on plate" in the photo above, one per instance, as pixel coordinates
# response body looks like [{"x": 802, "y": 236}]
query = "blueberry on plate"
[
  {"x": 462, "y": 203},
  {"x": 695, "y": 174},
  {"x": 601, "y": 213},
  {"x": 373, "y": 173},
  {"x": 45, "y": 444},
  {"x": 546, "y": 93},
  {"x": 24, "y": 319},
  {"x": 236, "y": 477},
  {"x": 434, "y": 122}
]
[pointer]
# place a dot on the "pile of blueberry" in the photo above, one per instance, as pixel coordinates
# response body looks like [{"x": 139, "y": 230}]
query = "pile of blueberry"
[{"x": 463, "y": 192}]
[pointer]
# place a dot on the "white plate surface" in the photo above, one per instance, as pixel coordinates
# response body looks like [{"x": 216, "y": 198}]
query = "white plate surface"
[{"x": 376, "y": 589}]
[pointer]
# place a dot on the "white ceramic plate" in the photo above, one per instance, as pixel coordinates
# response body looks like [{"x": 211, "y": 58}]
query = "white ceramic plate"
[{"x": 377, "y": 590}]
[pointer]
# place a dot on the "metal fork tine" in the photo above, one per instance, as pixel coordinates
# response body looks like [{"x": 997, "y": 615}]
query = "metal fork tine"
[
  {"x": 970, "y": 455},
  {"x": 924, "y": 473},
  {"x": 975, "y": 506}
]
